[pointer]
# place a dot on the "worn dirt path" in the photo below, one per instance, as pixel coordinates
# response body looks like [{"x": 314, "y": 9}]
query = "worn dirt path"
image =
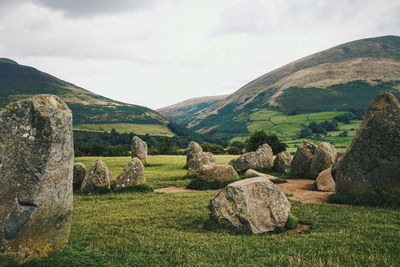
[{"x": 301, "y": 189}]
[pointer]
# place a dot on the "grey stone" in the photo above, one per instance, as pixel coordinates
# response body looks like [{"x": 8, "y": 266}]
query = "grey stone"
[
  {"x": 215, "y": 172},
  {"x": 196, "y": 158},
  {"x": 301, "y": 163},
  {"x": 36, "y": 168},
  {"x": 324, "y": 158},
  {"x": 79, "y": 175},
  {"x": 371, "y": 165},
  {"x": 283, "y": 162},
  {"x": 255, "y": 205},
  {"x": 262, "y": 158},
  {"x": 139, "y": 149},
  {"x": 325, "y": 182},
  {"x": 97, "y": 176},
  {"x": 250, "y": 173},
  {"x": 132, "y": 175}
]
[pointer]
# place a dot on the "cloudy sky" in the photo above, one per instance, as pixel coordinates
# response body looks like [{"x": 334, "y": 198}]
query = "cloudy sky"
[{"x": 158, "y": 52}]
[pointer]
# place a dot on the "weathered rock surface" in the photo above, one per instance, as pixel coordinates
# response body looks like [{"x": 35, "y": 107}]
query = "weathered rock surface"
[
  {"x": 132, "y": 175},
  {"x": 255, "y": 205},
  {"x": 97, "y": 176},
  {"x": 139, "y": 149},
  {"x": 79, "y": 175},
  {"x": 196, "y": 158},
  {"x": 371, "y": 165},
  {"x": 283, "y": 162},
  {"x": 325, "y": 156},
  {"x": 262, "y": 158},
  {"x": 250, "y": 173},
  {"x": 215, "y": 172},
  {"x": 325, "y": 182},
  {"x": 301, "y": 163},
  {"x": 36, "y": 170}
]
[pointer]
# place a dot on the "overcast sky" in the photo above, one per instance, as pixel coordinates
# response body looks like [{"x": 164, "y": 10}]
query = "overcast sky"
[{"x": 159, "y": 52}]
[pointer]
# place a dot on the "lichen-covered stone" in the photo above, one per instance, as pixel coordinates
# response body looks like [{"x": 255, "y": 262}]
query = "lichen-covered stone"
[
  {"x": 325, "y": 182},
  {"x": 79, "y": 175},
  {"x": 255, "y": 205},
  {"x": 139, "y": 149},
  {"x": 98, "y": 176},
  {"x": 215, "y": 172},
  {"x": 250, "y": 173},
  {"x": 325, "y": 156},
  {"x": 132, "y": 175},
  {"x": 262, "y": 158},
  {"x": 196, "y": 158},
  {"x": 301, "y": 163},
  {"x": 36, "y": 170},
  {"x": 283, "y": 162},
  {"x": 371, "y": 165}
]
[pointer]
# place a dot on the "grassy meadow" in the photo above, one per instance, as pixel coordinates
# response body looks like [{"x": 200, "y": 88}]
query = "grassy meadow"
[
  {"x": 141, "y": 129},
  {"x": 159, "y": 229}
]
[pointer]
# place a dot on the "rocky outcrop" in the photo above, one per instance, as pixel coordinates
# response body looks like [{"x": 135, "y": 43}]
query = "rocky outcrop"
[
  {"x": 217, "y": 173},
  {"x": 255, "y": 205},
  {"x": 36, "y": 168},
  {"x": 325, "y": 182},
  {"x": 196, "y": 158},
  {"x": 98, "y": 176},
  {"x": 283, "y": 162},
  {"x": 139, "y": 149},
  {"x": 371, "y": 165},
  {"x": 132, "y": 175},
  {"x": 79, "y": 175},
  {"x": 262, "y": 158},
  {"x": 324, "y": 158},
  {"x": 301, "y": 163}
]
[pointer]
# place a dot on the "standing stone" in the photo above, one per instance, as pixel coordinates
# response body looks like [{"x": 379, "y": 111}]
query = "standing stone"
[
  {"x": 139, "y": 149},
  {"x": 324, "y": 158},
  {"x": 282, "y": 162},
  {"x": 371, "y": 165},
  {"x": 262, "y": 158},
  {"x": 196, "y": 158},
  {"x": 301, "y": 163},
  {"x": 79, "y": 175},
  {"x": 325, "y": 182},
  {"x": 132, "y": 175},
  {"x": 255, "y": 205},
  {"x": 98, "y": 176},
  {"x": 217, "y": 173},
  {"x": 36, "y": 165}
]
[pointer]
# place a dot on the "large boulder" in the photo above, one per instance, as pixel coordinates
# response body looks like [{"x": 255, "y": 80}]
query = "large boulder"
[
  {"x": 217, "y": 173},
  {"x": 324, "y": 158},
  {"x": 132, "y": 175},
  {"x": 196, "y": 158},
  {"x": 36, "y": 165},
  {"x": 301, "y": 163},
  {"x": 262, "y": 158},
  {"x": 255, "y": 205},
  {"x": 371, "y": 165},
  {"x": 79, "y": 175},
  {"x": 283, "y": 162},
  {"x": 325, "y": 182},
  {"x": 98, "y": 176},
  {"x": 139, "y": 149}
]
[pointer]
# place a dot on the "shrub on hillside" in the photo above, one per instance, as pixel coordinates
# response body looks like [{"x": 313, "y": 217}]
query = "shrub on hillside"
[{"x": 261, "y": 137}]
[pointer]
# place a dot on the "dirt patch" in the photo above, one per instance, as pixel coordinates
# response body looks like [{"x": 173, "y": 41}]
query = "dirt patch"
[
  {"x": 173, "y": 190},
  {"x": 303, "y": 191},
  {"x": 299, "y": 228}
]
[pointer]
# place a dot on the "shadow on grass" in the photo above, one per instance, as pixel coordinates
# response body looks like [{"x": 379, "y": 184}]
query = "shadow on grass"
[
  {"x": 382, "y": 201},
  {"x": 143, "y": 188},
  {"x": 154, "y": 165}
]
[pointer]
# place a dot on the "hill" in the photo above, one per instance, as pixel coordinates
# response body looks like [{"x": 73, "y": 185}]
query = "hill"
[
  {"x": 91, "y": 112},
  {"x": 342, "y": 78}
]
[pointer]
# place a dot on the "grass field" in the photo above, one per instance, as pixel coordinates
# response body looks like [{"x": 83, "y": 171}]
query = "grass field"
[
  {"x": 141, "y": 129},
  {"x": 158, "y": 229}
]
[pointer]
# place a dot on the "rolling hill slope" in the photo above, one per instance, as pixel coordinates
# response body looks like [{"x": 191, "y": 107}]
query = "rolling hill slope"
[
  {"x": 344, "y": 77},
  {"x": 91, "y": 112}
]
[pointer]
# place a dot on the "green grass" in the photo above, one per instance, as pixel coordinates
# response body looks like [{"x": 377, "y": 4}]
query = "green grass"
[
  {"x": 141, "y": 129},
  {"x": 158, "y": 229}
]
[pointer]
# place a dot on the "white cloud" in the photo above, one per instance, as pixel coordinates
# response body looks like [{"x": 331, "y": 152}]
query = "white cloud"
[{"x": 169, "y": 50}]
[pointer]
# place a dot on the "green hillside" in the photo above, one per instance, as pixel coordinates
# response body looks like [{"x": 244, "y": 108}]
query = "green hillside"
[{"x": 91, "y": 112}]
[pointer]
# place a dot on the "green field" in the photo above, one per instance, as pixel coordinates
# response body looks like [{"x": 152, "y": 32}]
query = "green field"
[
  {"x": 141, "y": 129},
  {"x": 158, "y": 229}
]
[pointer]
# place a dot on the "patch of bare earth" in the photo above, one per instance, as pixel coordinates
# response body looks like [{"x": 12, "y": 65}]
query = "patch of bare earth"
[
  {"x": 299, "y": 228},
  {"x": 173, "y": 190},
  {"x": 304, "y": 191}
]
